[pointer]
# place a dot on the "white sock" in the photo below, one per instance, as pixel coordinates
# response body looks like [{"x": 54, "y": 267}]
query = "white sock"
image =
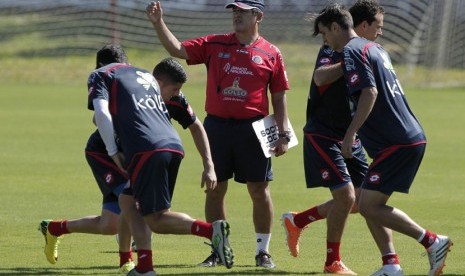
[
  {"x": 422, "y": 236},
  {"x": 391, "y": 267},
  {"x": 263, "y": 242}
]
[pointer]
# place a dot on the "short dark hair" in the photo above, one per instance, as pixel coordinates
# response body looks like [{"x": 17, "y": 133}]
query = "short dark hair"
[
  {"x": 110, "y": 53},
  {"x": 170, "y": 70},
  {"x": 365, "y": 10},
  {"x": 333, "y": 13}
]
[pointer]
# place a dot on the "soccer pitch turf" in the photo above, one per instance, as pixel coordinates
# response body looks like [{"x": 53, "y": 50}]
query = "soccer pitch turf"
[{"x": 43, "y": 173}]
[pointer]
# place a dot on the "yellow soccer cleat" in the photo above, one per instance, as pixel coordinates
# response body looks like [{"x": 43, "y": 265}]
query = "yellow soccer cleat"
[
  {"x": 125, "y": 268},
  {"x": 51, "y": 242}
]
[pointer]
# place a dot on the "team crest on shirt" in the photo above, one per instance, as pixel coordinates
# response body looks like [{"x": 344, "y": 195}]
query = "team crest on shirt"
[
  {"x": 374, "y": 178},
  {"x": 108, "y": 178},
  {"x": 234, "y": 92},
  {"x": 257, "y": 59}
]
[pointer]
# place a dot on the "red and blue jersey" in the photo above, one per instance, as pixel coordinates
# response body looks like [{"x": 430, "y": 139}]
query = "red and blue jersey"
[
  {"x": 180, "y": 110},
  {"x": 238, "y": 77},
  {"x": 140, "y": 117},
  {"x": 391, "y": 121},
  {"x": 328, "y": 109}
]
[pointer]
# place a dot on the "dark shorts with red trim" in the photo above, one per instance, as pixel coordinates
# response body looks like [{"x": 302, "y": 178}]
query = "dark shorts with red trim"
[
  {"x": 153, "y": 177},
  {"x": 109, "y": 178},
  {"x": 236, "y": 151},
  {"x": 394, "y": 169},
  {"x": 326, "y": 167}
]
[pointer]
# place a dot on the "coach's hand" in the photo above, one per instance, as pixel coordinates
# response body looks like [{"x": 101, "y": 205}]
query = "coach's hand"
[
  {"x": 280, "y": 147},
  {"x": 154, "y": 11}
]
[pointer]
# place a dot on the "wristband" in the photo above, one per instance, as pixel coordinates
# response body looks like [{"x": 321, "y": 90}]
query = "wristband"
[{"x": 285, "y": 134}]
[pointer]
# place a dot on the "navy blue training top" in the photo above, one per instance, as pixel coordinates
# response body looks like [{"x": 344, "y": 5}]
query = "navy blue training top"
[
  {"x": 179, "y": 109},
  {"x": 328, "y": 109},
  {"x": 140, "y": 117},
  {"x": 391, "y": 121}
]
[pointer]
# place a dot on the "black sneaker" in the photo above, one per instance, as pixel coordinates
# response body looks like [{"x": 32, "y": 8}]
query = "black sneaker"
[
  {"x": 263, "y": 259},
  {"x": 211, "y": 261}
]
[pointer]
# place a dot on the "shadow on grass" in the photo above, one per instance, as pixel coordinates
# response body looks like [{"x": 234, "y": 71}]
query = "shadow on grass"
[
  {"x": 93, "y": 270},
  {"x": 110, "y": 270}
]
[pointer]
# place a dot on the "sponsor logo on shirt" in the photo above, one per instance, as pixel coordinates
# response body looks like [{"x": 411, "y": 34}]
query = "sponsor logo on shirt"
[
  {"x": 328, "y": 51},
  {"x": 228, "y": 68},
  {"x": 147, "y": 80},
  {"x": 387, "y": 61},
  {"x": 234, "y": 92},
  {"x": 395, "y": 88},
  {"x": 348, "y": 61},
  {"x": 149, "y": 102}
]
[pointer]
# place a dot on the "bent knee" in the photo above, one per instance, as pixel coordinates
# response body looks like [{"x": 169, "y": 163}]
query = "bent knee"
[
  {"x": 367, "y": 211},
  {"x": 354, "y": 209}
]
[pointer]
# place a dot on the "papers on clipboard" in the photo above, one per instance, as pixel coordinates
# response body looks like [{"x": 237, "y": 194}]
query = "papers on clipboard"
[{"x": 267, "y": 133}]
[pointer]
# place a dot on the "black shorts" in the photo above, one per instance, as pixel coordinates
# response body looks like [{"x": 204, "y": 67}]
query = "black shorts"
[
  {"x": 326, "y": 167},
  {"x": 236, "y": 151},
  {"x": 109, "y": 178},
  {"x": 153, "y": 177},
  {"x": 394, "y": 169}
]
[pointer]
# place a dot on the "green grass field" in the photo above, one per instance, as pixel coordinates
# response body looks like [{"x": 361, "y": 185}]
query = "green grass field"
[{"x": 44, "y": 125}]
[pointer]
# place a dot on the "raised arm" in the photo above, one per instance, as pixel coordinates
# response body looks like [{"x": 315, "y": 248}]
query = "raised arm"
[{"x": 166, "y": 37}]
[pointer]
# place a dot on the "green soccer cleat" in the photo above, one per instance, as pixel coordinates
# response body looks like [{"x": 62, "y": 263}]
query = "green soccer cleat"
[
  {"x": 51, "y": 242},
  {"x": 220, "y": 242}
]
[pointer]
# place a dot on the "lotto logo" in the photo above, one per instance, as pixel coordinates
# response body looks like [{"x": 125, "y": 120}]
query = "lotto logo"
[
  {"x": 374, "y": 178},
  {"x": 325, "y": 60},
  {"x": 108, "y": 178},
  {"x": 354, "y": 79},
  {"x": 325, "y": 174}
]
